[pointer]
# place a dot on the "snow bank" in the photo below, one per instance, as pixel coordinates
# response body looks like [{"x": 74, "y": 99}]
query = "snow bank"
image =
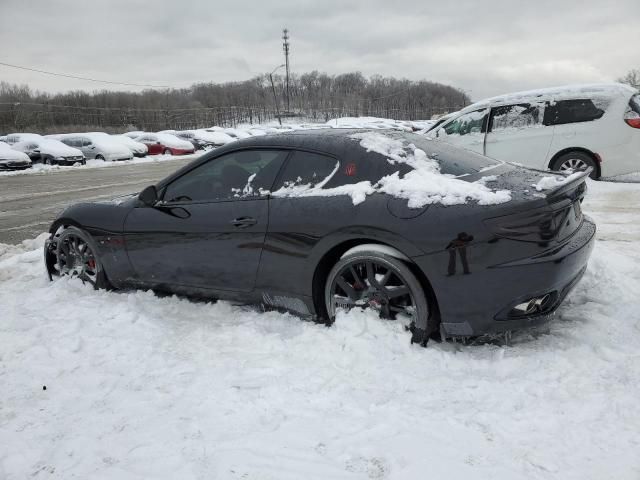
[{"x": 145, "y": 387}]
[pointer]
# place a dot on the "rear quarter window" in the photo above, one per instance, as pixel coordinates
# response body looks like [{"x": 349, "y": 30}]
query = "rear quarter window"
[
  {"x": 307, "y": 168},
  {"x": 573, "y": 111}
]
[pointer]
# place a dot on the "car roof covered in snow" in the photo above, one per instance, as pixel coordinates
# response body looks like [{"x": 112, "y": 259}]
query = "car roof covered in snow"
[
  {"x": 343, "y": 143},
  {"x": 551, "y": 94}
]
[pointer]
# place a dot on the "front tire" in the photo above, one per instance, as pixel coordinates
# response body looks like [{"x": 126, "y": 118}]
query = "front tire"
[
  {"x": 167, "y": 152},
  {"x": 76, "y": 256},
  {"x": 576, "y": 161},
  {"x": 100, "y": 157},
  {"x": 374, "y": 280}
]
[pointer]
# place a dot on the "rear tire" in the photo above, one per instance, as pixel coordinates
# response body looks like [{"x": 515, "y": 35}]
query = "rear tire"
[
  {"x": 76, "y": 256},
  {"x": 576, "y": 161},
  {"x": 100, "y": 157},
  {"x": 167, "y": 152},
  {"x": 48, "y": 161},
  {"x": 374, "y": 280}
]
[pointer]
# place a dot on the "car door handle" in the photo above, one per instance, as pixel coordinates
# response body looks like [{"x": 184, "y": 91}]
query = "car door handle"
[{"x": 243, "y": 222}]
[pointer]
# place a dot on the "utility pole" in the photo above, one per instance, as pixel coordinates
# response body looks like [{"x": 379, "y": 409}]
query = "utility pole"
[
  {"x": 275, "y": 97},
  {"x": 285, "y": 47}
]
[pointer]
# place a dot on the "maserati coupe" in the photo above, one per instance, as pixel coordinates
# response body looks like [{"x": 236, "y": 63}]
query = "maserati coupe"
[{"x": 449, "y": 242}]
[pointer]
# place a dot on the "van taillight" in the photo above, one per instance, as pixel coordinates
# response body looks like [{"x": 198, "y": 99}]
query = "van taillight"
[
  {"x": 632, "y": 118},
  {"x": 634, "y": 122}
]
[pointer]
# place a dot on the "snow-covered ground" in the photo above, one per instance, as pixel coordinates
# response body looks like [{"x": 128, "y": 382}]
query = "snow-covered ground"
[{"x": 141, "y": 387}]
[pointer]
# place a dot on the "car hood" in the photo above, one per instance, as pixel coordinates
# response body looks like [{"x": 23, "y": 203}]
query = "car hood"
[{"x": 9, "y": 155}]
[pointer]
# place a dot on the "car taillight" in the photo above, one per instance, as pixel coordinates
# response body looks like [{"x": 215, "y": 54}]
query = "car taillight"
[
  {"x": 634, "y": 122},
  {"x": 632, "y": 119}
]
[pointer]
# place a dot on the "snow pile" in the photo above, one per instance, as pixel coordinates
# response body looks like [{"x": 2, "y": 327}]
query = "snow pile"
[
  {"x": 145, "y": 387},
  {"x": 553, "y": 182}
]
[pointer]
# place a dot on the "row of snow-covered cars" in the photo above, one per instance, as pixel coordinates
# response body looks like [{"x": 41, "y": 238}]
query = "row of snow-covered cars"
[{"x": 18, "y": 151}]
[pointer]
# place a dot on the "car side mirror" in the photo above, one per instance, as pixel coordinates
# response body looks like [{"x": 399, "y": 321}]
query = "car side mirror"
[
  {"x": 157, "y": 143},
  {"x": 37, "y": 150},
  {"x": 149, "y": 196}
]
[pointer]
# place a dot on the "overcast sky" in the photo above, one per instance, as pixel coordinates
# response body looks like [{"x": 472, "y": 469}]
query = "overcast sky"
[{"x": 486, "y": 48}]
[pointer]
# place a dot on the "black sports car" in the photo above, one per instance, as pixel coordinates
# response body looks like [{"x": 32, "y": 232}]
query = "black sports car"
[{"x": 448, "y": 241}]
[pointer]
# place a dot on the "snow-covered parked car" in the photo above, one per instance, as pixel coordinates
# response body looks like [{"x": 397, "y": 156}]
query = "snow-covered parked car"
[
  {"x": 50, "y": 151},
  {"x": 11, "y": 159},
  {"x": 137, "y": 149},
  {"x": 135, "y": 134},
  {"x": 165, "y": 143},
  {"x": 97, "y": 145},
  {"x": 237, "y": 133},
  {"x": 573, "y": 127},
  {"x": 441, "y": 240},
  {"x": 21, "y": 137}
]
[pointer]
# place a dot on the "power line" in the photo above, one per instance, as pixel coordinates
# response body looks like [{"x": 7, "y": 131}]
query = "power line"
[{"x": 82, "y": 78}]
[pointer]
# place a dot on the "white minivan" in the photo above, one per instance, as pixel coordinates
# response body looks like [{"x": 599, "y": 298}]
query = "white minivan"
[{"x": 565, "y": 128}]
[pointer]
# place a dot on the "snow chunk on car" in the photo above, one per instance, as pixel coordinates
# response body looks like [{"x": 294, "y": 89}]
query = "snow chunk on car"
[
  {"x": 551, "y": 183},
  {"x": 424, "y": 184}
]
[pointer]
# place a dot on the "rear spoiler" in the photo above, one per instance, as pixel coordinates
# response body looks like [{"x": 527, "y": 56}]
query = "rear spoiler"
[{"x": 574, "y": 188}]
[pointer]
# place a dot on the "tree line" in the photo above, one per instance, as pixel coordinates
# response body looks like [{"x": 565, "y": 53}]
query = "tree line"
[{"x": 314, "y": 96}]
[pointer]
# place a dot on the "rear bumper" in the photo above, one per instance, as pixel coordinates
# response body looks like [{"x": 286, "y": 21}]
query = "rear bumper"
[{"x": 482, "y": 301}]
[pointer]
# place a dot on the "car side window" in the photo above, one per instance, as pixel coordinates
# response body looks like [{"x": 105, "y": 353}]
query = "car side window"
[
  {"x": 306, "y": 169},
  {"x": 236, "y": 175},
  {"x": 469, "y": 123},
  {"x": 573, "y": 111},
  {"x": 86, "y": 142},
  {"x": 510, "y": 117}
]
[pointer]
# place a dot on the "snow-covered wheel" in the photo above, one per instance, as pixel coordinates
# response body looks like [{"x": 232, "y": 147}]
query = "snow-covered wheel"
[
  {"x": 575, "y": 162},
  {"x": 100, "y": 157},
  {"x": 76, "y": 256},
  {"x": 48, "y": 161},
  {"x": 375, "y": 280},
  {"x": 167, "y": 152}
]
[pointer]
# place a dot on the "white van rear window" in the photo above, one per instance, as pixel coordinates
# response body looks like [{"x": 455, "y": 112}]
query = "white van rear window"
[{"x": 634, "y": 103}]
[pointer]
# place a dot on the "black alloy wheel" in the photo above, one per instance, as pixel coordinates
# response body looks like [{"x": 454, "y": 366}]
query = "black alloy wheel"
[
  {"x": 76, "y": 257},
  {"x": 378, "y": 281}
]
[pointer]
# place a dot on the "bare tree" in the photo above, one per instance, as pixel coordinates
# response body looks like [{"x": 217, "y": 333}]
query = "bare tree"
[{"x": 631, "y": 78}]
